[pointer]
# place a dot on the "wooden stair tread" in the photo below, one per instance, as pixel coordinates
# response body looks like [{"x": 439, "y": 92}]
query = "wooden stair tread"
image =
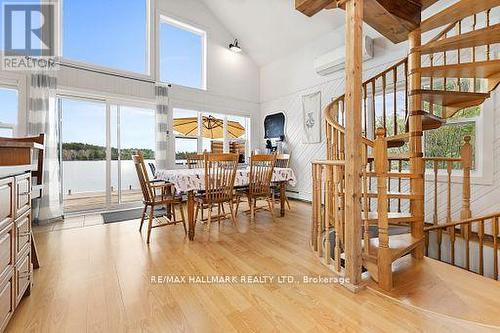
[
  {"x": 397, "y": 140},
  {"x": 480, "y": 37},
  {"x": 392, "y": 195},
  {"x": 479, "y": 69},
  {"x": 456, "y": 12},
  {"x": 392, "y": 216},
  {"x": 452, "y": 98},
  {"x": 399, "y": 245},
  {"x": 430, "y": 121},
  {"x": 393, "y": 157}
]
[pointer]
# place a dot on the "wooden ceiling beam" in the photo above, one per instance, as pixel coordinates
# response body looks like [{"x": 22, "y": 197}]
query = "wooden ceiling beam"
[{"x": 312, "y": 7}]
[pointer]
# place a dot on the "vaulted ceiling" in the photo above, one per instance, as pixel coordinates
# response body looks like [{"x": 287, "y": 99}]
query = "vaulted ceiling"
[{"x": 270, "y": 29}]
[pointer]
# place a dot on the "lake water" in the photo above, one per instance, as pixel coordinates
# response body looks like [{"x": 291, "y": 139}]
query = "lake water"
[{"x": 90, "y": 176}]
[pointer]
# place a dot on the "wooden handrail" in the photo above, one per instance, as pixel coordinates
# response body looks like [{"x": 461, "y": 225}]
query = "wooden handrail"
[
  {"x": 329, "y": 162},
  {"x": 467, "y": 221}
]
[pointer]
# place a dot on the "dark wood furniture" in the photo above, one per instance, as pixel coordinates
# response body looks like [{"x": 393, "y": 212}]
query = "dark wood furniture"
[
  {"x": 16, "y": 268},
  {"x": 259, "y": 184},
  {"x": 156, "y": 195}
]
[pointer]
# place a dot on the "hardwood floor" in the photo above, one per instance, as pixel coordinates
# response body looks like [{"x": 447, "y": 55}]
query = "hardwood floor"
[{"x": 97, "y": 278}]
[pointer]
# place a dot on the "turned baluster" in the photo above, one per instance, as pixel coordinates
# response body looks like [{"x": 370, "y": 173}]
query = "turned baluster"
[
  {"x": 314, "y": 220},
  {"x": 384, "y": 116},
  {"x": 328, "y": 199},
  {"x": 481, "y": 247},
  {"x": 337, "y": 216},
  {"x": 466, "y": 156},
  {"x": 439, "y": 233},
  {"x": 395, "y": 101},
  {"x": 451, "y": 230},
  {"x": 384, "y": 254},
  {"x": 366, "y": 208}
]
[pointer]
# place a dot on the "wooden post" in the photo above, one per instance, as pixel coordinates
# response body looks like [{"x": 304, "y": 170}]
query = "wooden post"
[
  {"x": 466, "y": 155},
  {"x": 416, "y": 154},
  {"x": 353, "y": 132},
  {"x": 384, "y": 260}
]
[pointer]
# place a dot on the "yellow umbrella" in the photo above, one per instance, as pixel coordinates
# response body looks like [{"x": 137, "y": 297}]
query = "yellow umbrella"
[{"x": 212, "y": 127}]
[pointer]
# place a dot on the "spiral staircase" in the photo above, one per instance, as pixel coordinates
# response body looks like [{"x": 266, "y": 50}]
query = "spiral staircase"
[{"x": 456, "y": 68}]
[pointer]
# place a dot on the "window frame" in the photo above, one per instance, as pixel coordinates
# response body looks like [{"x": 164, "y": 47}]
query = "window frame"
[
  {"x": 199, "y": 137},
  {"x": 149, "y": 49},
  {"x": 18, "y": 83},
  {"x": 164, "y": 19}
]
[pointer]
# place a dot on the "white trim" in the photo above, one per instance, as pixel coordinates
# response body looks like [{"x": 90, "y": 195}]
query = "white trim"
[{"x": 164, "y": 19}]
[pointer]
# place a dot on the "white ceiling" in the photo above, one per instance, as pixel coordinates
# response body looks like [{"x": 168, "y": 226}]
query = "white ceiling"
[{"x": 269, "y": 29}]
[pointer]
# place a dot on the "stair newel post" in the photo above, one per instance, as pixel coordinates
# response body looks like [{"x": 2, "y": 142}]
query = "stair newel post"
[
  {"x": 416, "y": 133},
  {"x": 466, "y": 156},
  {"x": 353, "y": 140},
  {"x": 384, "y": 254}
]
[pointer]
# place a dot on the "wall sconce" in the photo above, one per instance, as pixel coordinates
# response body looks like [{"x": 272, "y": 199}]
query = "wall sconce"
[{"x": 235, "y": 47}]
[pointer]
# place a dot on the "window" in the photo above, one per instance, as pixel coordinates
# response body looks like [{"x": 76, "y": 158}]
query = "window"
[
  {"x": 107, "y": 33},
  {"x": 8, "y": 116},
  {"x": 182, "y": 54},
  {"x": 447, "y": 140},
  {"x": 216, "y": 131}
]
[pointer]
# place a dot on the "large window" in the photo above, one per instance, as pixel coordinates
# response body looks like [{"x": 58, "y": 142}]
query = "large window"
[
  {"x": 107, "y": 33},
  {"x": 8, "y": 115},
  {"x": 182, "y": 54},
  {"x": 447, "y": 140}
]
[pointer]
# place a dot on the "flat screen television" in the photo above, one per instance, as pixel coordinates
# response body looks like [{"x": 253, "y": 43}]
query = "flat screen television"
[{"x": 274, "y": 126}]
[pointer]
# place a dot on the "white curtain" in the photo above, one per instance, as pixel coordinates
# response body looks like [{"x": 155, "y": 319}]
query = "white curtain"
[
  {"x": 42, "y": 118},
  {"x": 162, "y": 131}
]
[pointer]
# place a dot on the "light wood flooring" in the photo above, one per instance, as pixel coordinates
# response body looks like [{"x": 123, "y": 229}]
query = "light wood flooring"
[{"x": 96, "y": 278}]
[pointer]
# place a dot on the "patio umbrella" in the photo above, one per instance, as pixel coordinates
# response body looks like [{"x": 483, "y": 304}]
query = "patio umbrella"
[{"x": 212, "y": 127}]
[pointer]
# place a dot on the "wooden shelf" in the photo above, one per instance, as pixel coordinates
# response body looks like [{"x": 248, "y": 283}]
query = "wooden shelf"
[
  {"x": 480, "y": 69},
  {"x": 480, "y": 37}
]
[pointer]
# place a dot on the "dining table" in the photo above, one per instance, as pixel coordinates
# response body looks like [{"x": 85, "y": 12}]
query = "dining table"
[{"x": 192, "y": 181}]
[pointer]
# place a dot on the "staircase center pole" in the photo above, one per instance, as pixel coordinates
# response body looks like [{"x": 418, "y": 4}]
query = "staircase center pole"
[
  {"x": 416, "y": 154},
  {"x": 354, "y": 146}
]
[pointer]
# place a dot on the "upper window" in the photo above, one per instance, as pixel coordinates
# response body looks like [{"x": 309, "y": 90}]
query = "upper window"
[
  {"x": 182, "y": 54},
  {"x": 107, "y": 33},
  {"x": 8, "y": 116}
]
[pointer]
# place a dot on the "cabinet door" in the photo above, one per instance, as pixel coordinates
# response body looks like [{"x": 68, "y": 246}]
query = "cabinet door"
[
  {"x": 6, "y": 201},
  {"x": 6, "y": 250},
  {"x": 6, "y": 300},
  {"x": 23, "y": 233},
  {"x": 22, "y": 275},
  {"x": 23, "y": 194}
]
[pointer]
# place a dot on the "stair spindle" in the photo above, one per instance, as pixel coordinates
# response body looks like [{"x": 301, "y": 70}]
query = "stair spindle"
[
  {"x": 337, "y": 216},
  {"x": 481, "y": 247}
]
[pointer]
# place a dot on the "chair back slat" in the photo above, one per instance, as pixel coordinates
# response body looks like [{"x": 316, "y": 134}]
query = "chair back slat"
[
  {"x": 196, "y": 161},
  {"x": 220, "y": 172},
  {"x": 142, "y": 174},
  {"x": 261, "y": 173},
  {"x": 282, "y": 161}
]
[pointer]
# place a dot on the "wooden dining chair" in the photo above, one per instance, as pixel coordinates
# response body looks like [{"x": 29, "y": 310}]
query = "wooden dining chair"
[
  {"x": 196, "y": 161},
  {"x": 259, "y": 187},
  {"x": 282, "y": 161},
  {"x": 157, "y": 195},
  {"x": 220, "y": 172}
]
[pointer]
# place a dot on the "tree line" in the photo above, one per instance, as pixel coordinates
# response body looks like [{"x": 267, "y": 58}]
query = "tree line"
[{"x": 76, "y": 151}]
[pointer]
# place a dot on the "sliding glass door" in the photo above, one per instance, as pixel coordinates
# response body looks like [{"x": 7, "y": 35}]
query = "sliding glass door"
[
  {"x": 98, "y": 139},
  {"x": 83, "y": 154}
]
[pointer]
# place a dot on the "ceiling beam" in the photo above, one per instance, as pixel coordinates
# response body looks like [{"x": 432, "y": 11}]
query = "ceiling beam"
[{"x": 312, "y": 7}]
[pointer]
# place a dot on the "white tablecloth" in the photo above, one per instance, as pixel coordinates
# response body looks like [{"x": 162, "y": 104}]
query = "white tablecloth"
[{"x": 194, "y": 179}]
